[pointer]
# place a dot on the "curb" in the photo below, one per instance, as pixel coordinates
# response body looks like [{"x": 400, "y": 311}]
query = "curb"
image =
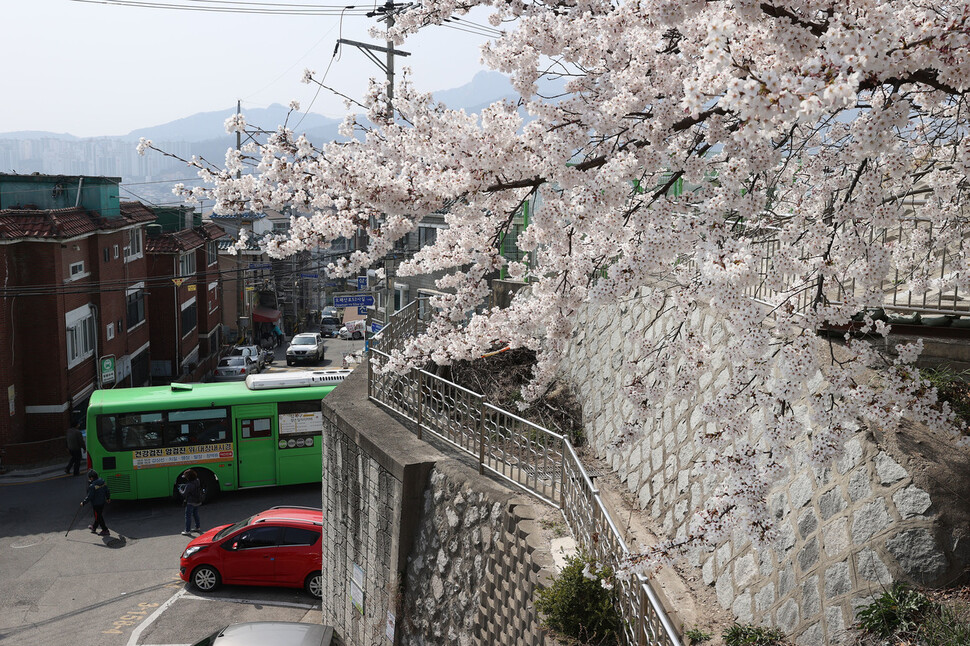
[{"x": 32, "y": 475}]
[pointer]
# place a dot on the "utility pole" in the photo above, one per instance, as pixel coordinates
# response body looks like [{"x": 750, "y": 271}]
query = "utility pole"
[
  {"x": 240, "y": 271},
  {"x": 388, "y": 10}
]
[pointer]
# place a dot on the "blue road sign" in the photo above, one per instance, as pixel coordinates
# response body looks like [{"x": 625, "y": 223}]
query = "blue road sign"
[
  {"x": 260, "y": 265},
  {"x": 309, "y": 276},
  {"x": 376, "y": 327},
  {"x": 362, "y": 300},
  {"x": 362, "y": 311},
  {"x": 361, "y": 283}
]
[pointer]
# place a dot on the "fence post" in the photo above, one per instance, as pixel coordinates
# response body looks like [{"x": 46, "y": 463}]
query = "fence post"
[
  {"x": 563, "y": 447},
  {"x": 370, "y": 378},
  {"x": 481, "y": 435},
  {"x": 420, "y": 398}
]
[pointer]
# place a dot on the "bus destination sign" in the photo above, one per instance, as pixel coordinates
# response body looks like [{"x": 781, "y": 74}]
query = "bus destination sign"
[{"x": 149, "y": 458}]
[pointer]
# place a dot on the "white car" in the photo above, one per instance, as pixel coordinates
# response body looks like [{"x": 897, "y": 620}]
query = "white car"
[{"x": 305, "y": 346}]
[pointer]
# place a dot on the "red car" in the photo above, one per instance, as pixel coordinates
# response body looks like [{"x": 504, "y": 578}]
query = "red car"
[{"x": 276, "y": 547}]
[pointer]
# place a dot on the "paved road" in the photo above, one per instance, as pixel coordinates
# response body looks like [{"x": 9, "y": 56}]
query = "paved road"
[
  {"x": 83, "y": 589},
  {"x": 334, "y": 351}
]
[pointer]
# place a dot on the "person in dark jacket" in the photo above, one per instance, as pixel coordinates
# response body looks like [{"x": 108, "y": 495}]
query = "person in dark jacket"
[
  {"x": 98, "y": 495},
  {"x": 75, "y": 444},
  {"x": 192, "y": 493}
]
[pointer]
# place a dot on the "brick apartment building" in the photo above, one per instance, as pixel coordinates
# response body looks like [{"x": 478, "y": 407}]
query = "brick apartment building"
[
  {"x": 74, "y": 285},
  {"x": 186, "y": 303}
]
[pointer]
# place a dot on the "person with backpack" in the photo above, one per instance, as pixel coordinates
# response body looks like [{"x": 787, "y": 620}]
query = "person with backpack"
[
  {"x": 192, "y": 494},
  {"x": 98, "y": 495}
]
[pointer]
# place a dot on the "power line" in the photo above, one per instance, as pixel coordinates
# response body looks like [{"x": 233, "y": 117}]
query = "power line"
[{"x": 320, "y": 10}]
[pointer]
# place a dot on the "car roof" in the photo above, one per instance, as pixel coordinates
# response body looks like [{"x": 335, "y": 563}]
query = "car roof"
[
  {"x": 278, "y": 633},
  {"x": 307, "y": 515}
]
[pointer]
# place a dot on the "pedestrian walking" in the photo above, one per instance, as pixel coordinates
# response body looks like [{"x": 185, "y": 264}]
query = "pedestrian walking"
[
  {"x": 75, "y": 444},
  {"x": 192, "y": 494},
  {"x": 98, "y": 495}
]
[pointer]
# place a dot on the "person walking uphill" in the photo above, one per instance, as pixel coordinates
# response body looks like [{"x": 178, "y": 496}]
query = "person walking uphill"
[
  {"x": 75, "y": 444},
  {"x": 192, "y": 493},
  {"x": 98, "y": 495}
]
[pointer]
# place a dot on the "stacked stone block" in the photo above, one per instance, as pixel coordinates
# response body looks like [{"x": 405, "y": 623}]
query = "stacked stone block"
[
  {"x": 845, "y": 532},
  {"x": 475, "y": 566}
]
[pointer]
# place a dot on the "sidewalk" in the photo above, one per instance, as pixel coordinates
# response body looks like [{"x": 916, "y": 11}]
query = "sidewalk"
[{"x": 14, "y": 474}]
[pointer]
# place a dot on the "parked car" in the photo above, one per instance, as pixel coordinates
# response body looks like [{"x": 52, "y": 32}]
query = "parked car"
[
  {"x": 329, "y": 326},
  {"x": 307, "y": 345},
  {"x": 353, "y": 329},
  {"x": 250, "y": 351},
  {"x": 235, "y": 368},
  {"x": 276, "y": 547},
  {"x": 264, "y": 633}
]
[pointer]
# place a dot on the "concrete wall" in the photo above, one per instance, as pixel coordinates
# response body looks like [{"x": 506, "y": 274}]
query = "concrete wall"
[
  {"x": 887, "y": 509},
  {"x": 418, "y": 545}
]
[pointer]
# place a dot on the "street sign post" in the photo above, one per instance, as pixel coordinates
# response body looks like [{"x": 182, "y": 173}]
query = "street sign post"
[{"x": 354, "y": 300}]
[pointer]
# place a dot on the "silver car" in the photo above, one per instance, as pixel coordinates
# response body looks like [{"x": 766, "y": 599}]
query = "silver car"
[
  {"x": 235, "y": 368},
  {"x": 263, "y": 633}
]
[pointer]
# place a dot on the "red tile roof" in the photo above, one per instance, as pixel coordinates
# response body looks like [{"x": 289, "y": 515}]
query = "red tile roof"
[{"x": 67, "y": 223}]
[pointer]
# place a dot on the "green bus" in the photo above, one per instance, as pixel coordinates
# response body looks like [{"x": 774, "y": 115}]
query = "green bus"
[{"x": 261, "y": 432}]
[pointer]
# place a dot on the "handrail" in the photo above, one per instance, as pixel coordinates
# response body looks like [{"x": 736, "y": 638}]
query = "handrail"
[{"x": 532, "y": 458}]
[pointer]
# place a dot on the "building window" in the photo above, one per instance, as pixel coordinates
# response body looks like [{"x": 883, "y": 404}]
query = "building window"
[
  {"x": 213, "y": 296},
  {"x": 77, "y": 270},
  {"x": 133, "y": 248},
  {"x": 109, "y": 331},
  {"x": 281, "y": 227},
  {"x": 400, "y": 296},
  {"x": 212, "y": 253},
  {"x": 187, "y": 264},
  {"x": 136, "y": 307},
  {"x": 107, "y": 254},
  {"x": 116, "y": 251},
  {"x": 190, "y": 318},
  {"x": 427, "y": 236},
  {"x": 80, "y": 335}
]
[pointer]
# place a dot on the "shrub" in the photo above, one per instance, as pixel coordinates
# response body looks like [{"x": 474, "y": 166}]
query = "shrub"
[
  {"x": 900, "y": 609},
  {"x": 748, "y": 635},
  {"x": 578, "y": 606},
  {"x": 696, "y": 636}
]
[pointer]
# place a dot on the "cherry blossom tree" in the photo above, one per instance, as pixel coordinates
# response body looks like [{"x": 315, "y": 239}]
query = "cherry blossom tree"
[{"x": 823, "y": 151}]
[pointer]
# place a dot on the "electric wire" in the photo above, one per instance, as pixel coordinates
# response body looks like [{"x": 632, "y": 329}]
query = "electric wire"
[{"x": 333, "y": 10}]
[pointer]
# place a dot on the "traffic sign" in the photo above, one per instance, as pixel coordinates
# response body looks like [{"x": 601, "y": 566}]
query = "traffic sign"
[
  {"x": 260, "y": 265},
  {"x": 178, "y": 281},
  {"x": 357, "y": 300},
  {"x": 376, "y": 327},
  {"x": 309, "y": 276},
  {"x": 362, "y": 311},
  {"x": 361, "y": 283}
]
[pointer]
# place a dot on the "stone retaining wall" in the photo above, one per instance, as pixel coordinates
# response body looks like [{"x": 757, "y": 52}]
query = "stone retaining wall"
[
  {"x": 419, "y": 548},
  {"x": 885, "y": 510}
]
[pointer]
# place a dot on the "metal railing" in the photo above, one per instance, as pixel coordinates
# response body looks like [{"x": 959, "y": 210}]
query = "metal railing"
[
  {"x": 526, "y": 455},
  {"x": 895, "y": 295}
]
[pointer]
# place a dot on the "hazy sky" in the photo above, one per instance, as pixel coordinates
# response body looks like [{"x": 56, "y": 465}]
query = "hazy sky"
[{"x": 98, "y": 69}]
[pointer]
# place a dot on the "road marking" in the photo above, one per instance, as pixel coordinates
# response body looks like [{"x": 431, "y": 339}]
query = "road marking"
[
  {"x": 283, "y": 604},
  {"x": 150, "y": 619}
]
